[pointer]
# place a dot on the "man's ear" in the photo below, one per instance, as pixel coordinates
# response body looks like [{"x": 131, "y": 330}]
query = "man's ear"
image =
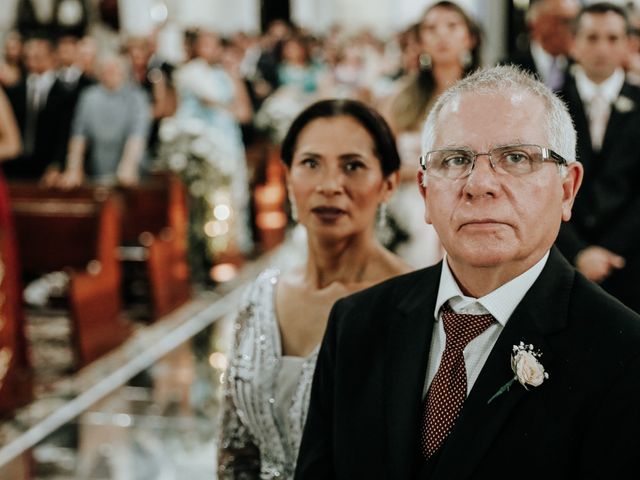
[
  {"x": 424, "y": 193},
  {"x": 570, "y": 186}
]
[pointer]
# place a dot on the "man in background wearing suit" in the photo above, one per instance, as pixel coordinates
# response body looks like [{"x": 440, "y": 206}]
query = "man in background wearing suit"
[
  {"x": 549, "y": 23},
  {"x": 501, "y": 361},
  {"x": 43, "y": 108},
  {"x": 603, "y": 237}
]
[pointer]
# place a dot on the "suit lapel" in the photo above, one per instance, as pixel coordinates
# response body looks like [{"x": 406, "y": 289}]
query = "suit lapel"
[
  {"x": 617, "y": 119},
  {"x": 480, "y": 422},
  {"x": 579, "y": 115},
  {"x": 406, "y": 363}
]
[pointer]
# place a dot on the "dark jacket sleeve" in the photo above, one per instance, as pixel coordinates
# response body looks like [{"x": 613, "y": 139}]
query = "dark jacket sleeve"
[
  {"x": 570, "y": 242},
  {"x": 609, "y": 449},
  {"x": 315, "y": 459}
]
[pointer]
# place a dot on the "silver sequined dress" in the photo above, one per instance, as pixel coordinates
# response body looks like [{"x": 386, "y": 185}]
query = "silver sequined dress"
[{"x": 266, "y": 394}]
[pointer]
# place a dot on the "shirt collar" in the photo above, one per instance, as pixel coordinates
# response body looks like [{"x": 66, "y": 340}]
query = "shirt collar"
[
  {"x": 543, "y": 60},
  {"x": 500, "y": 303},
  {"x": 610, "y": 88}
]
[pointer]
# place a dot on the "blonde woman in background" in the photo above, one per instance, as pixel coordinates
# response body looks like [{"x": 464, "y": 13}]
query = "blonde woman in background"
[{"x": 450, "y": 46}]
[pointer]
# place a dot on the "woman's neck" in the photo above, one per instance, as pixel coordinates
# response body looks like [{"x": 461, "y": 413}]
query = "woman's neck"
[
  {"x": 343, "y": 261},
  {"x": 446, "y": 75}
]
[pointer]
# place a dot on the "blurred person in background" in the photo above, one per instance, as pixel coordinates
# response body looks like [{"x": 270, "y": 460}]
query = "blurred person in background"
[
  {"x": 10, "y": 144},
  {"x": 603, "y": 237},
  {"x": 110, "y": 128},
  {"x": 70, "y": 72},
  {"x": 632, "y": 64},
  {"x": 87, "y": 53},
  {"x": 341, "y": 164},
  {"x": 211, "y": 91},
  {"x": 43, "y": 108},
  {"x": 266, "y": 79},
  {"x": 154, "y": 76},
  {"x": 550, "y": 35},
  {"x": 450, "y": 49},
  {"x": 12, "y": 68},
  {"x": 297, "y": 68}
]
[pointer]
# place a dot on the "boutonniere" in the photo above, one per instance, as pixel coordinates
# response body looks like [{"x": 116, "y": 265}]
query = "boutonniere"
[
  {"x": 624, "y": 104},
  {"x": 527, "y": 369}
]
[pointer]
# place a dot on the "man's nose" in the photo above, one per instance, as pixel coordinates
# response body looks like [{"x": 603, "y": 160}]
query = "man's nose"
[
  {"x": 482, "y": 180},
  {"x": 330, "y": 183}
]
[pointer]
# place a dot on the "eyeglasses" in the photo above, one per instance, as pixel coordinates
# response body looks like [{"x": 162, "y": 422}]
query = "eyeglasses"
[{"x": 516, "y": 160}]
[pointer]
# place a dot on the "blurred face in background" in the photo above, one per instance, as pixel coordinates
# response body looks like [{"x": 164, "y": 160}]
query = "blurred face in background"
[
  {"x": 67, "y": 51},
  {"x": 294, "y": 51},
  {"x": 87, "y": 51},
  {"x": 601, "y": 44},
  {"x": 38, "y": 56},
  {"x": 208, "y": 47},
  {"x": 550, "y": 25},
  {"x": 139, "y": 52},
  {"x": 13, "y": 48},
  {"x": 112, "y": 73},
  {"x": 336, "y": 179},
  {"x": 445, "y": 36}
]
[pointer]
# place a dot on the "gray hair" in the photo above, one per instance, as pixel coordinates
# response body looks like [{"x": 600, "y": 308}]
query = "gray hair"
[{"x": 505, "y": 80}]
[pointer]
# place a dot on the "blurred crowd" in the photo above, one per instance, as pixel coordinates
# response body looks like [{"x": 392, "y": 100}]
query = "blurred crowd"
[{"x": 85, "y": 114}]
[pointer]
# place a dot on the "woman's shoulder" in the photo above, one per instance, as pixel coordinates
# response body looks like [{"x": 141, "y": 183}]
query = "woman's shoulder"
[
  {"x": 391, "y": 265},
  {"x": 261, "y": 288}
]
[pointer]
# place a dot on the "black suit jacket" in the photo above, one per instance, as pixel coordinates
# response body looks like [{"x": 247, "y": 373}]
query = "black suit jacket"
[
  {"x": 607, "y": 208},
  {"x": 53, "y": 127},
  {"x": 365, "y": 407}
]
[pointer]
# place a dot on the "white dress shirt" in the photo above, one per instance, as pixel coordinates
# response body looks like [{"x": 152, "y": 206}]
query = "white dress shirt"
[
  {"x": 500, "y": 303},
  {"x": 597, "y": 99},
  {"x": 610, "y": 88},
  {"x": 544, "y": 61},
  {"x": 38, "y": 87}
]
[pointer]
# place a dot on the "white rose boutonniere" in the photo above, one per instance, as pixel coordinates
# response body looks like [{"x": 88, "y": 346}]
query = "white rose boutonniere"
[
  {"x": 624, "y": 104},
  {"x": 527, "y": 369}
]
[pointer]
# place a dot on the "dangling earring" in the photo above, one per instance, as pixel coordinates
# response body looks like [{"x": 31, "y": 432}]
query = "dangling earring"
[
  {"x": 382, "y": 215},
  {"x": 294, "y": 208},
  {"x": 425, "y": 61},
  {"x": 466, "y": 59}
]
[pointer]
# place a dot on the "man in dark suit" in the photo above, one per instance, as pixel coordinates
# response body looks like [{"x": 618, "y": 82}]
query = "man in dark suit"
[
  {"x": 501, "y": 361},
  {"x": 549, "y": 23},
  {"x": 603, "y": 237},
  {"x": 43, "y": 108}
]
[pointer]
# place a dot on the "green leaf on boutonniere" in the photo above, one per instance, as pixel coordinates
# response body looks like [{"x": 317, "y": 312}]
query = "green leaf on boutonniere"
[{"x": 504, "y": 388}]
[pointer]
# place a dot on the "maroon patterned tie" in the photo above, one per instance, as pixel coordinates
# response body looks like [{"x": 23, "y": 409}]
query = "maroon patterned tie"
[{"x": 448, "y": 388}]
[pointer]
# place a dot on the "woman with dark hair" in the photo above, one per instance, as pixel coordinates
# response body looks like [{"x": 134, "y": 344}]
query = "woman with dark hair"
[
  {"x": 450, "y": 43},
  {"x": 342, "y": 165}
]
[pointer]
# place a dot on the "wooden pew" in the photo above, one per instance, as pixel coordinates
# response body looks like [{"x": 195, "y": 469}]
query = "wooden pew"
[
  {"x": 77, "y": 231},
  {"x": 15, "y": 374},
  {"x": 155, "y": 219}
]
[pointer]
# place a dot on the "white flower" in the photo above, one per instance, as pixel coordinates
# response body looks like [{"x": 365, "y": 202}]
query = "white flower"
[
  {"x": 528, "y": 370},
  {"x": 201, "y": 147},
  {"x": 168, "y": 131},
  {"x": 178, "y": 162},
  {"x": 624, "y": 104}
]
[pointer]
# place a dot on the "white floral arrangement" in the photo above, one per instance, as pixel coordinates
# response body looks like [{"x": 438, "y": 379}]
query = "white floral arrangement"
[
  {"x": 206, "y": 161},
  {"x": 188, "y": 145},
  {"x": 280, "y": 109},
  {"x": 527, "y": 369}
]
